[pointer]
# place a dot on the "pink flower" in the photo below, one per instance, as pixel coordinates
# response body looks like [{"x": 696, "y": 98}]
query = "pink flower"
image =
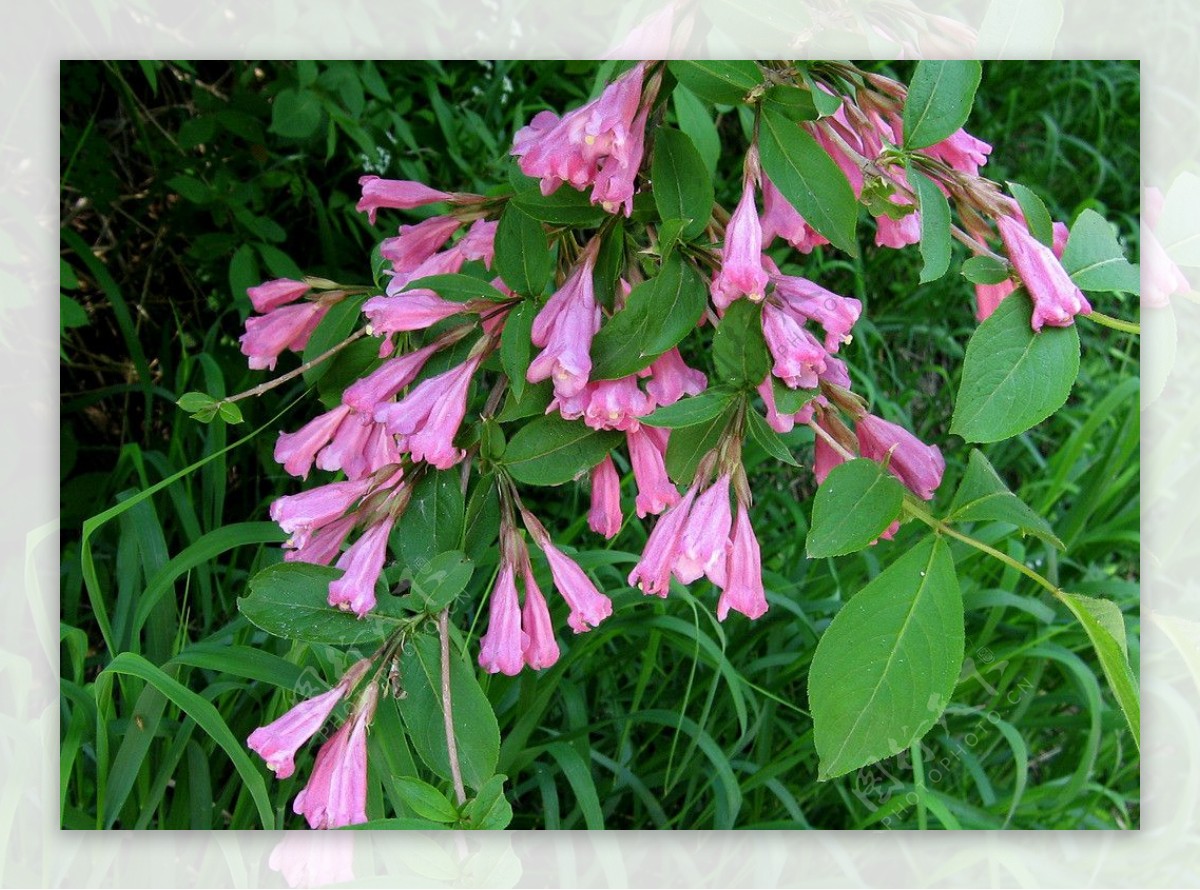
[
  {"x": 336, "y": 793},
  {"x": 780, "y": 218},
  {"x": 502, "y": 647},
  {"x": 278, "y": 742},
  {"x": 705, "y": 535},
  {"x": 301, "y": 514},
  {"x": 799, "y": 356},
  {"x": 297, "y": 451},
  {"x": 835, "y": 314},
  {"x": 428, "y": 418},
  {"x": 917, "y": 465},
  {"x": 288, "y": 327},
  {"x": 363, "y": 562},
  {"x": 743, "y": 588},
  {"x": 652, "y": 574},
  {"x": 565, "y": 328},
  {"x": 616, "y": 404},
  {"x": 671, "y": 379},
  {"x": 897, "y": 233},
  {"x": 541, "y": 649},
  {"x": 324, "y": 544},
  {"x": 399, "y": 194},
  {"x": 360, "y": 447},
  {"x": 988, "y": 296},
  {"x": 588, "y": 605},
  {"x": 604, "y": 517},
  {"x": 412, "y": 310},
  {"x": 479, "y": 243},
  {"x": 825, "y": 456},
  {"x": 273, "y": 294},
  {"x": 367, "y": 393},
  {"x": 1056, "y": 299},
  {"x": 962, "y": 151},
  {"x": 417, "y": 243},
  {"x": 742, "y": 271},
  {"x": 782, "y": 423},
  {"x": 448, "y": 262},
  {"x": 615, "y": 182},
  {"x": 655, "y": 489}
]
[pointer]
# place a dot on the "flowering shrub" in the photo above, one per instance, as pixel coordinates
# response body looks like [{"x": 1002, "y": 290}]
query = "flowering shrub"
[{"x": 540, "y": 333}]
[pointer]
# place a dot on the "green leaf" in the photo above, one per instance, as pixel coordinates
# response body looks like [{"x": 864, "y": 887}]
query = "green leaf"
[
  {"x": 809, "y": 179},
  {"x": 768, "y": 439},
  {"x": 1012, "y": 378},
  {"x": 1106, "y": 629},
  {"x": 720, "y": 82},
  {"x": 230, "y": 413},
  {"x": 825, "y": 103},
  {"x": 533, "y": 401},
  {"x": 982, "y": 496},
  {"x": 696, "y": 120},
  {"x": 939, "y": 100},
  {"x": 458, "y": 288},
  {"x": 523, "y": 256},
  {"x": 345, "y": 367},
  {"x": 854, "y": 505},
  {"x": 683, "y": 188},
  {"x": 442, "y": 579},
  {"x": 1094, "y": 259},
  {"x": 482, "y": 522},
  {"x": 563, "y": 207},
  {"x": 190, "y": 188},
  {"x": 475, "y": 729},
  {"x": 433, "y": 522},
  {"x": 551, "y": 450},
  {"x": 1037, "y": 217},
  {"x": 516, "y": 348},
  {"x": 935, "y": 226},
  {"x": 489, "y": 809},
  {"x": 339, "y": 322},
  {"x": 693, "y": 410},
  {"x": 793, "y": 103},
  {"x": 610, "y": 264},
  {"x": 985, "y": 270},
  {"x": 295, "y": 114},
  {"x": 425, "y": 800},
  {"x": 886, "y": 666},
  {"x": 788, "y": 400},
  {"x": 291, "y": 600},
  {"x": 689, "y": 444},
  {"x": 192, "y": 402},
  {"x": 657, "y": 315},
  {"x": 739, "y": 349}
]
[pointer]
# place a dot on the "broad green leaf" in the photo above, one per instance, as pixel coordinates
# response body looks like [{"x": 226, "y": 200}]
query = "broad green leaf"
[
  {"x": 482, "y": 522},
  {"x": 1106, "y": 629},
  {"x": 336, "y": 326},
  {"x": 717, "y": 81},
  {"x": 551, "y": 450},
  {"x": 475, "y": 729},
  {"x": 788, "y": 400},
  {"x": 692, "y": 410},
  {"x": 489, "y": 809},
  {"x": 696, "y": 120},
  {"x": 243, "y": 274},
  {"x": 443, "y": 578},
  {"x": 793, "y": 103},
  {"x": 425, "y": 800},
  {"x": 854, "y": 505},
  {"x": 230, "y": 412},
  {"x": 982, "y": 496},
  {"x": 532, "y": 402},
  {"x": 768, "y": 440},
  {"x": 683, "y": 188},
  {"x": 523, "y": 256},
  {"x": 610, "y": 265},
  {"x": 433, "y": 522},
  {"x": 809, "y": 179},
  {"x": 886, "y": 666},
  {"x": 515, "y": 346},
  {"x": 985, "y": 270},
  {"x": 295, "y": 114},
  {"x": 1094, "y": 259},
  {"x": 939, "y": 100},
  {"x": 192, "y": 402},
  {"x": 935, "y": 226},
  {"x": 657, "y": 315},
  {"x": 564, "y": 206},
  {"x": 689, "y": 444},
  {"x": 348, "y": 365},
  {"x": 1037, "y": 217},
  {"x": 459, "y": 288},
  {"x": 1013, "y": 378},
  {"x": 825, "y": 103},
  {"x": 739, "y": 350},
  {"x": 291, "y": 600}
]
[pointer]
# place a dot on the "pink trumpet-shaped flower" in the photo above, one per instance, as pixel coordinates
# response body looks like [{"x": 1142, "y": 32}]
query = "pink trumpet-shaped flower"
[
  {"x": 428, "y": 418},
  {"x": 1056, "y": 298},
  {"x": 412, "y": 310},
  {"x": 541, "y": 648},
  {"x": 652, "y": 574},
  {"x": 565, "y": 328},
  {"x": 301, "y": 514},
  {"x": 336, "y": 793},
  {"x": 703, "y": 541},
  {"x": 741, "y": 272},
  {"x": 273, "y": 294},
  {"x": 417, "y": 243},
  {"x": 780, "y": 218},
  {"x": 324, "y": 544},
  {"x": 897, "y": 233},
  {"x": 616, "y": 181},
  {"x": 588, "y": 605},
  {"x": 917, "y": 465},
  {"x": 604, "y": 517},
  {"x": 363, "y": 562},
  {"x": 799, "y": 356},
  {"x": 616, "y": 404},
  {"x": 962, "y": 151},
  {"x": 825, "y": 456},
  {"x": 782, "y": 423},
  {"x": 834, "y": 313},
  {"x": 989, "y": 296},
  {"x": 502, "y": 648},
  {"x": 287, "y": 327},
  {"x": 671, "y": 379},
  {"x": 297, "y": 451},
  {"x": 398, "y": 194},
  {"x": 656, "y": 492},
  {"x": 743, "y": 588},
  {"x": 278, "y": 742},
  {"x": 367, "y": 393}
]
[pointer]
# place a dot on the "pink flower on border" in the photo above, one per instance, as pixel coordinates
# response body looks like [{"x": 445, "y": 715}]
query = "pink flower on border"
[
  {"x": 502, "y": 648},
  {"x": 1056, "y": 298},
  {"x": 273, "y": 294},
  {"x": 604, "y": 517},
  {"x": 354, "y": 591},
  {"x": 336, "y": 793},
  {"x": 917, "y": 465},
  {"x": 588, "y": 605},
  {"x": 397, "y": 194},
  {"x": 541, "y": 648},
  {"x": 743, "y": 588}
]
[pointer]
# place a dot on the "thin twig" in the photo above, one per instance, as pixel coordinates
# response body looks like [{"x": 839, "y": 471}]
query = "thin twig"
[
  {"x": 271, "y": 384},
  {"x": 460, "y": 792}
]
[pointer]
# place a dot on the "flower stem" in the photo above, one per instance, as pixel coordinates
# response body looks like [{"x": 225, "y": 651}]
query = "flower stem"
[
  {"x": 296, "y": 372},
  {"x": 1117, "y": 324},
  {"x": 460, "y": 792}
]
